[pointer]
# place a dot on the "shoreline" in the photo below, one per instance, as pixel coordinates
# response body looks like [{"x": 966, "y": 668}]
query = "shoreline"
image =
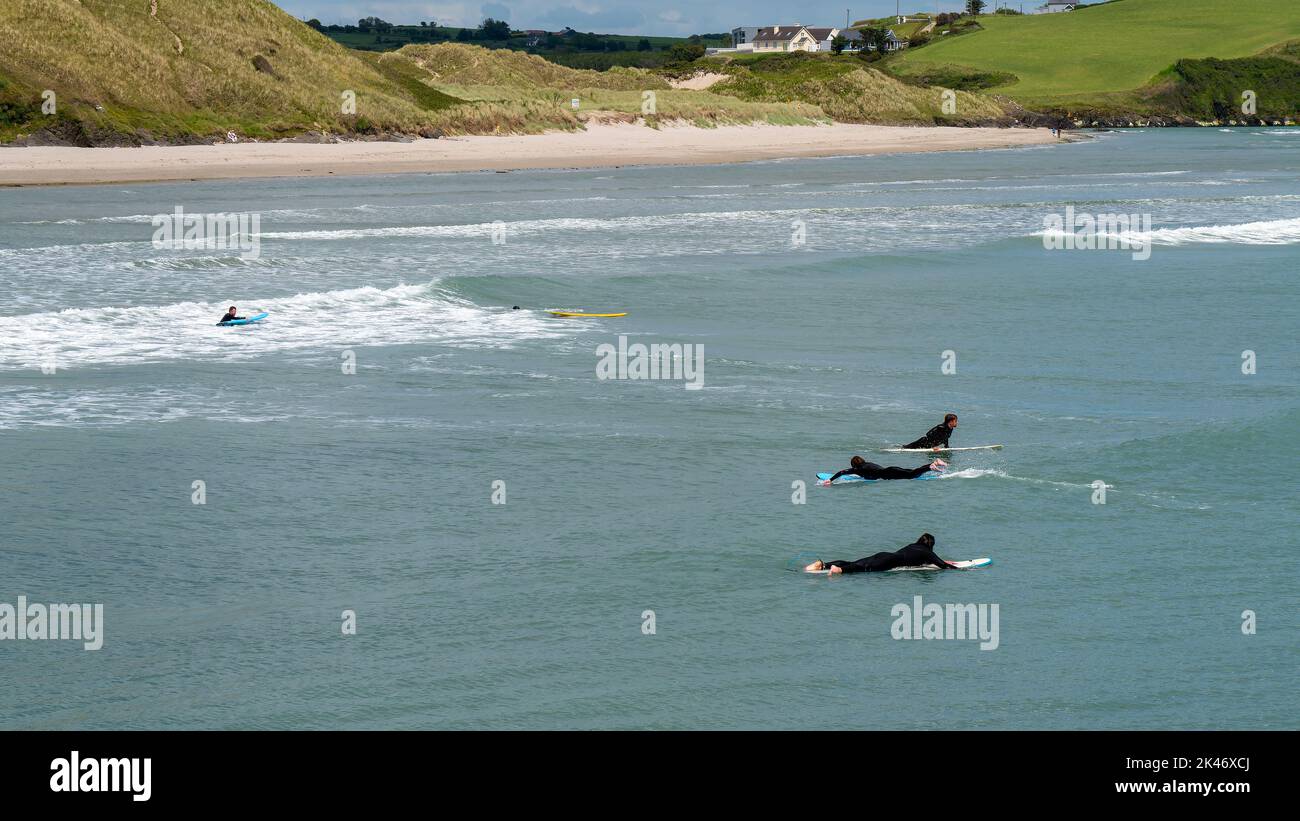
[{"x": 598, "y": 146}]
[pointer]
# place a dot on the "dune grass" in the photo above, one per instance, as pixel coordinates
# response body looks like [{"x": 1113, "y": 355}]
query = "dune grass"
[
  {"x": 139, "y": 71},
  {"x": 461, "y": 64},
  {"x": 509, "y": 79},
  {"x": 848, "y": 89},
  {"x": 128, "y": 67}
]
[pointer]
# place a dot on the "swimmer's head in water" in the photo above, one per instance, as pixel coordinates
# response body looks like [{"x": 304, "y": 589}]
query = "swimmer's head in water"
[
  {"x": 857, "y": 461},
  {"x": 927, "y": 540},
  {"x": 950, "y": 420}
]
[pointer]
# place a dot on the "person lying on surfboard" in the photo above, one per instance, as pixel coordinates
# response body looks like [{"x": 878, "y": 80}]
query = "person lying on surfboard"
[
  {"x": 918, "y": 554},
  {"x": 230, "y": 315},
  {"x": 870, "y": 470},
  {"x": 936, "y": 438}
]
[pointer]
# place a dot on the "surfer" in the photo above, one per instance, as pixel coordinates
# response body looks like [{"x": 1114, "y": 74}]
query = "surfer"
[
  {"x": 230, "y": 315},
  {"x": 936, "y": 437},
  {"x": 870, "y": 470},
  {"x": 918, "y": 554}
]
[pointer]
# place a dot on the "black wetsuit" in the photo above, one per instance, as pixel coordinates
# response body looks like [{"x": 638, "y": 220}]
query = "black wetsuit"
[
  {"x": 871, "y": 470},
  {"x": 229, "y": 316},
  {"x": 935, "y": 437},
  {"x": 914, "y": 555}
]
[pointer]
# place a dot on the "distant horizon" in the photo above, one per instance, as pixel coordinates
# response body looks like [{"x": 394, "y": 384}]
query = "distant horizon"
[{"x": 623, "y": 17}]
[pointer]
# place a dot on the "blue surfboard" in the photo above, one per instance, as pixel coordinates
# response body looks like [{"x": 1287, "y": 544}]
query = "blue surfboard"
[
  {"x": 247, "y": 321},
  {"x": 850, "y": 479}
]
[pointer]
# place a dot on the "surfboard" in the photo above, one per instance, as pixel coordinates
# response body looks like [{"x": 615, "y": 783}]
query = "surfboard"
[
  {"x": 581, "y": 314},
  {"x": 849, "y": 480},
  {"x": 247, "y": 321},
  {"x": 940, "y": 450},
  {"x": 964, "y": 564}
]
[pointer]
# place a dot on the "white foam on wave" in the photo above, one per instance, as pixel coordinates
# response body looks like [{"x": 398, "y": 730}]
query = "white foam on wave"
[
  {"x": 326, "y": 322},
  {"x": 1160, "y": 500},
  {"x": 525, "y": 227},
  {"x": 979, "y": 473},
  {"x": 1266, "y": 232}
]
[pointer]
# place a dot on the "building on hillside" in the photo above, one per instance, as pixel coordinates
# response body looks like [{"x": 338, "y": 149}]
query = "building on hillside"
[
  {"x": 892, "y": 42},
  {"x": 792, "y": 38},
  {"x": 823, "y": 36},
  {"x": 742, "y": 40},
  {"x": 813, "y": 38},
  {"x": 913, "y": 18},
  {"x": 1057, "y": 5},
  {"x": 852, "y": 40}
]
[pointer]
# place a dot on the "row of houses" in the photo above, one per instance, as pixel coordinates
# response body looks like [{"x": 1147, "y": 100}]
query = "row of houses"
[{"x": 800, "y": 38}]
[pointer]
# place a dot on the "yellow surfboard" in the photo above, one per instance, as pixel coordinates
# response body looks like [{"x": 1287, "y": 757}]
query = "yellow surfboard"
[{"x": 581, "y": 313}]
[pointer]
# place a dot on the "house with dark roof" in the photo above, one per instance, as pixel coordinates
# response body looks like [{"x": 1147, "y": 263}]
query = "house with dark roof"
[
  {"x": 853, "y": 40},
  {"x": 793, "y": 38},
  {"x": 892, "y": 41}
]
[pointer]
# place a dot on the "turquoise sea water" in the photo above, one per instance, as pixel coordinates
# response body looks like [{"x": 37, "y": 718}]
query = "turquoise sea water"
[{"x": 372, "y": 491}]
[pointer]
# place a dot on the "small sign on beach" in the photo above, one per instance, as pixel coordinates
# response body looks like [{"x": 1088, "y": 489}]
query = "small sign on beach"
[{"x": 574, "y": 103}]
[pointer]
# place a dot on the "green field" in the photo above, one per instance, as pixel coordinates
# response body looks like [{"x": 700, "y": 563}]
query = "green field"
[{"x": 1115, "y": 47}]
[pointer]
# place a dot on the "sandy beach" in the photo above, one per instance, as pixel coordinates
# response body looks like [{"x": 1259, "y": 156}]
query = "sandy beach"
[{"x": 600, "y": 145}]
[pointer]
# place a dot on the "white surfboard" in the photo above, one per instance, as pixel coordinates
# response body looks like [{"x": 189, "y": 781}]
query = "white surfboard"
[
  {"x": 940, "y": 450},
  {"x": 965, "y": 564}
]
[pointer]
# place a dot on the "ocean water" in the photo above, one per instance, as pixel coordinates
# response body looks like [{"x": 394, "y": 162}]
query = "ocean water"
[{"x": 824, "y": 294}]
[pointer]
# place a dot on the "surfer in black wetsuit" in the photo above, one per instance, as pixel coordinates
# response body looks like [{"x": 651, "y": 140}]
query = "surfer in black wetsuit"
[
  {"x": 937, "y": 436},
  {"x": 870, "y": 470},
  {"x": 230, "y": 315},
  {"x": 918, "y": 554}
]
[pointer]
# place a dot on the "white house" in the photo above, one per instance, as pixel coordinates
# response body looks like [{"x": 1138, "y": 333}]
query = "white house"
[
  {"x": 1057, "y": 5},
  {"x": 806, "y": 38},
  {"x": 793, "y": 38}
]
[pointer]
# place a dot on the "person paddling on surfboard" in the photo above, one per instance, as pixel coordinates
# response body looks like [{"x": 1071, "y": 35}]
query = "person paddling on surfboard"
[
  {"x": 918, "y": 554},
  {"x": 870, "y": 470},
  {"x": 936, "y": 438},
  {"x": 230, "y": 315}
]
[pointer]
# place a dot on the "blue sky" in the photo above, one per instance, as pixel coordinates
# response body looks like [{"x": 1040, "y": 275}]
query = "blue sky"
[{"x": 662, "y": 17}]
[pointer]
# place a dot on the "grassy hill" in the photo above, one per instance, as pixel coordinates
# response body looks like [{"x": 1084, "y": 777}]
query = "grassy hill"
[
  {"x": 509, "y": 79},
  {"x": 466, "y": 65},
  {"x": 124, "y": 71},
  {"x": 1206, "y": 91},
  {"x": 848, "y": 90},
  {"x": 1080, "y": 56}
]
